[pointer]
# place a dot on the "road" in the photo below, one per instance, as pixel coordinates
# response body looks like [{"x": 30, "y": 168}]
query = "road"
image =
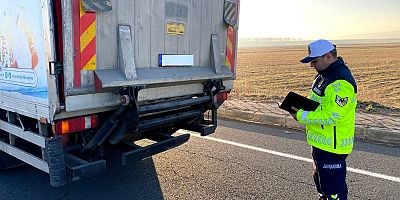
[{"x": 239, "y": 161}]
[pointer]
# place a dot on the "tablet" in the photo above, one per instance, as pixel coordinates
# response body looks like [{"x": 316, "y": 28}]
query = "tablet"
[{"x": 300, "y": 102}]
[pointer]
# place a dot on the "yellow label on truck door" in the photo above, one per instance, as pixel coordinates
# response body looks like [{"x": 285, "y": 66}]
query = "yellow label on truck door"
[{"x": 174, "y": 28}]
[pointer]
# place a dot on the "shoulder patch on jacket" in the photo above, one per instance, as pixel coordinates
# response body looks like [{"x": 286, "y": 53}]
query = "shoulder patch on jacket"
[{"x": 341, "y": 101}]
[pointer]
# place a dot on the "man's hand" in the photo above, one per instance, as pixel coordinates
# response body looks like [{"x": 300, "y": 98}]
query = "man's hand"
[{"x": 294, "y": 114}]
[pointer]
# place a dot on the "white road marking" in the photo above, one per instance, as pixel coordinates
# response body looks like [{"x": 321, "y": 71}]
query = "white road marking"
[{"x": 350, "y": 169}]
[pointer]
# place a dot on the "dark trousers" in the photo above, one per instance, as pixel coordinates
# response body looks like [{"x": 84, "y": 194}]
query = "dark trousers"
[{"x": 330, "y": 174}]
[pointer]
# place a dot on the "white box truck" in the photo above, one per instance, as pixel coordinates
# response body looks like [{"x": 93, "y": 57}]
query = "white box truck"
[{"x": 85, "y": 80}]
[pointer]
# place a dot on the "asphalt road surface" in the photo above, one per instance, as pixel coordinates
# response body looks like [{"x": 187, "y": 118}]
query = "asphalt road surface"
[{"x": 239, "y": 161}]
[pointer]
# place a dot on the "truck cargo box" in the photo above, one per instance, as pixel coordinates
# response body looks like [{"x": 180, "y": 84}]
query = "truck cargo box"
[
  {"x": 123, "y": 46},
  {"x": 78, "y": 76}
]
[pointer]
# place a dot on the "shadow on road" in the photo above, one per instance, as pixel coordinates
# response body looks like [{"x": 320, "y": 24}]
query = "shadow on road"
[
  {"x": 135, "y": 181},
  {"x": 360, "y": 145}
]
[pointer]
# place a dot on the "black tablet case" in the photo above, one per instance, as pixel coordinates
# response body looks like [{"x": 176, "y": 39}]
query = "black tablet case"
[{"x": 300, "y": 102}]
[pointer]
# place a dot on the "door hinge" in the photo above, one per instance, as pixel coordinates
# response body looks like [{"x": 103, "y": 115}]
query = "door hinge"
[{"x": 56, "y": 68}]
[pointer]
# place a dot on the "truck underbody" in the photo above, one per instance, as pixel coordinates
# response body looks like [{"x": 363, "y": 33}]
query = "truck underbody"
[{"x": 72, "y": 156}]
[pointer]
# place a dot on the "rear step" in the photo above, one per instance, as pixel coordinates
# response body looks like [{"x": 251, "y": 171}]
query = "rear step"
[
  {"x": 79, "y": 168},
  {"x": 164, "y": 143}
]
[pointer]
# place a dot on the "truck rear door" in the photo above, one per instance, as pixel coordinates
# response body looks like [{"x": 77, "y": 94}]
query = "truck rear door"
[{"x": 117, "y": 43}]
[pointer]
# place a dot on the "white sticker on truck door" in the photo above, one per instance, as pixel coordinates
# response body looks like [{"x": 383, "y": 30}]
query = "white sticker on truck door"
[{"x": 22, "y": 48}]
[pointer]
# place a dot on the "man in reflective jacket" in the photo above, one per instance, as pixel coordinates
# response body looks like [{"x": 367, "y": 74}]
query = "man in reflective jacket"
[{"x": 330, "y": 128}]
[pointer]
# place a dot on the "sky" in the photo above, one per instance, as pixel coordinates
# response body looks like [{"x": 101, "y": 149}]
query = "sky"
[{"x": 313, "y": 19}]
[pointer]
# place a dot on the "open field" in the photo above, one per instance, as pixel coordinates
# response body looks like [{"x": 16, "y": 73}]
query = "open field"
[{"x": 268, "y": 73}]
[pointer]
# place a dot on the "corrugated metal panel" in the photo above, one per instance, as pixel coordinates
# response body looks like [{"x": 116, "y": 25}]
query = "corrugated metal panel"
[{"x": 148, "y": 20}]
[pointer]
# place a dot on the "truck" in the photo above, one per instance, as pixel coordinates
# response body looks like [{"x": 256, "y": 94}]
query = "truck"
[{"x": 85, "y": 82}]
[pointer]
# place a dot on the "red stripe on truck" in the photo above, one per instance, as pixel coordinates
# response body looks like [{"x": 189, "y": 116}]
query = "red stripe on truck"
[
  {"x": 231, "y": 49},
  {"x": 88, "y": 53},
  {"x": 77, "y": 51},
  {"x": 86, "y": 20}
]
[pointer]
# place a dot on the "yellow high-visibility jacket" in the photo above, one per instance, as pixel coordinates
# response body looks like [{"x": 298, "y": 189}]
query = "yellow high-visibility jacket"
[{"x": 331, "y": 126}]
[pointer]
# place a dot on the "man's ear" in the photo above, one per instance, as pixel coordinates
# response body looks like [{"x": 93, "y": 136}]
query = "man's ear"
[{"x": 329, "y": 56}]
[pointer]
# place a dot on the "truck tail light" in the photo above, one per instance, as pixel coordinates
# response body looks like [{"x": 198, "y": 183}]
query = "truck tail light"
[
  {"x": 221, "y": 97},
  {"x": 75, "y": 124}
]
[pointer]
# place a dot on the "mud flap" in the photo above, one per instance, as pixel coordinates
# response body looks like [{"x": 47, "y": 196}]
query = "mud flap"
[{"x": 55, "y": 158}]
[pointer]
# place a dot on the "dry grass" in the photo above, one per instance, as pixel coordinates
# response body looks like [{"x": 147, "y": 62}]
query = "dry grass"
[{"x": 268, "y": 73}]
